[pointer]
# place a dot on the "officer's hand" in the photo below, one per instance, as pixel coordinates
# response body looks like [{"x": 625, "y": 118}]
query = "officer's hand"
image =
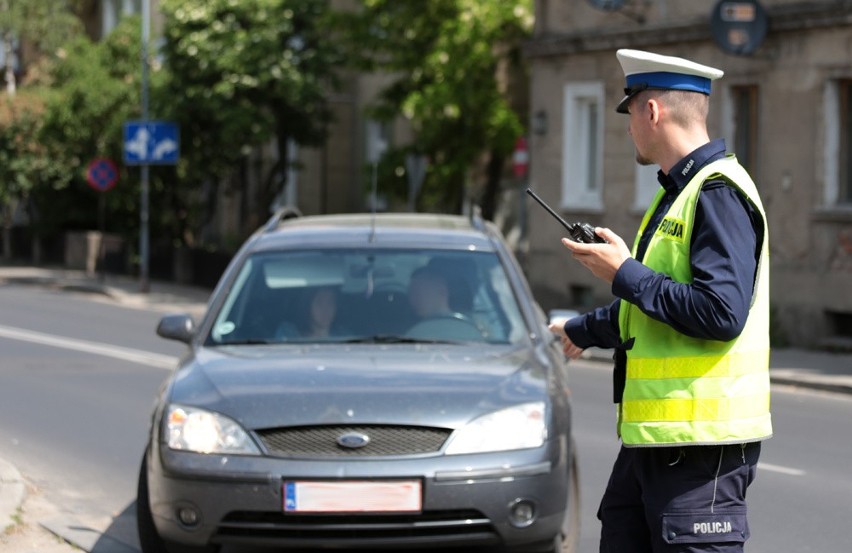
[
  {"x": 557, "y": 326},
  {"x": 603, "y": 260}
]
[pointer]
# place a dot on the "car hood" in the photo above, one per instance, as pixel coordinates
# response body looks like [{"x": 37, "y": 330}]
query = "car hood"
[{"x": 267, "y": 387}]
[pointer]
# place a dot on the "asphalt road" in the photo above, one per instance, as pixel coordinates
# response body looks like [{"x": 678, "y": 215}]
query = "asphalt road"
[
  {"x": 77, "y": 382},
  {"x": 78, "y": 377}
]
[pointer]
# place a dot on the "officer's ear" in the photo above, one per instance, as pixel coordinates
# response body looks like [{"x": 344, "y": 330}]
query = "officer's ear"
[{"x": 652, "y": 110}]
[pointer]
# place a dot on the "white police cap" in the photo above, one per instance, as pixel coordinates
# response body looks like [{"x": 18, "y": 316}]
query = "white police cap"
[{"x": 646, "y": 70}]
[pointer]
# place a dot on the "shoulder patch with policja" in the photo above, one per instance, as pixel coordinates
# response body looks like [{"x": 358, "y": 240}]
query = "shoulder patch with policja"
[{"x": 705, "y": 527}]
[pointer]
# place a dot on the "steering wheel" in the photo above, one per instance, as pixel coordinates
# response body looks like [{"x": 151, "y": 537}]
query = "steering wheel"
[{"x": 451, "y": 326}]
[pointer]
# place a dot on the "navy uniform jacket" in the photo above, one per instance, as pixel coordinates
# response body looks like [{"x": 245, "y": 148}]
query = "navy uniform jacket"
[{"x": 725, "y": 248}]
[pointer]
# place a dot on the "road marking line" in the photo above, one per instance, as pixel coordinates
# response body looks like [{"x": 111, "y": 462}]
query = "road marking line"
[
  {"x": 777, "y": 468},
  {"x": 117, "y": 352}
]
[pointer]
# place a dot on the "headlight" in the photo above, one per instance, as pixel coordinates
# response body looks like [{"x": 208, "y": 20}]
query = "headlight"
[
  {"x": 193, "y": 429},
  {"x": 518, "y": 427}
]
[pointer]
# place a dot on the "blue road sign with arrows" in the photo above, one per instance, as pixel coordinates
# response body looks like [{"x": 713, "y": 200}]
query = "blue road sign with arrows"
[{"x": 151, "y": 143}]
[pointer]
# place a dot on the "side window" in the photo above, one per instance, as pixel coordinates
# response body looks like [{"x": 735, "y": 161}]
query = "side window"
[
  {"x": 645, "y": 186},
  {"x": 582, "y": 169}
]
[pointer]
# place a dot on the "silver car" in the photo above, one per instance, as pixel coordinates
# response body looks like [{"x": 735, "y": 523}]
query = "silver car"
[{"x": 365, "y": 382}]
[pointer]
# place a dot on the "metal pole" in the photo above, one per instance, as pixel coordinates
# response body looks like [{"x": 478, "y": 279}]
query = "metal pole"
[{"x": 144, "y": 284}]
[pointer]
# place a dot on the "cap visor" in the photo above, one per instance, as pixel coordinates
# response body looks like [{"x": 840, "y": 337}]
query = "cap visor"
[{"x": 622, "y": 105}]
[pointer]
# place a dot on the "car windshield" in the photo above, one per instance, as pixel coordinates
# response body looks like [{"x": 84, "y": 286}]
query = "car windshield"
[{"x": 370, "y": 296}]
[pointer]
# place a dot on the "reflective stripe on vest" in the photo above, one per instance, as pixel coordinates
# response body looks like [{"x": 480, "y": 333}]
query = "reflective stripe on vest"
[{"x": 683, "y": 390}]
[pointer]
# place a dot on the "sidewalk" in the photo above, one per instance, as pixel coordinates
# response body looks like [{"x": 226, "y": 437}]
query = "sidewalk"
[
  {"x": 162, "y": 296},
  {"x": 804, "y": 368}
]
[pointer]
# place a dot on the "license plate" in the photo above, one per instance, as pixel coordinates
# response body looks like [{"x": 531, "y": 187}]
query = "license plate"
[{"x": 352, "y": 496}]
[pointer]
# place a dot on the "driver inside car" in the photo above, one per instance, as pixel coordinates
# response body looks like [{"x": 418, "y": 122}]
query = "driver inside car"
[
  {"x": 429, "y": 294},
  {"x": 429, "y": 297}
]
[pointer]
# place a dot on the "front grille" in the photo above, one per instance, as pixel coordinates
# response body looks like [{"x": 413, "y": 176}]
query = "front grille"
[
  {"x": 321, "y": 441},
  {"x": 428, "y": 528}
]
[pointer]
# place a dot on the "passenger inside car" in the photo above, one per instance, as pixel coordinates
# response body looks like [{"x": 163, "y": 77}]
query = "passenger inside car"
[{"x": 315, "y": 315}]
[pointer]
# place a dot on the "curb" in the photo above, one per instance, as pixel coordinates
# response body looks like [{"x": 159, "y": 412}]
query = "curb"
[
  {"x": 803, "y": 379},
  {"x": 812, "y": 382},
  {"x": 12, "y": 494},
  {"x": 81, "y": 285}
]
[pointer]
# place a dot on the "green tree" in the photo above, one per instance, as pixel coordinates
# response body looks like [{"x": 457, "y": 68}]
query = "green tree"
[
  {"x": 454, "y": 62},
  {"x": 43, "y": 24},
  {"x": 25, "y": 161},
  {"x": 243, "y": 73},
  {"x": 94, "y": 88}
]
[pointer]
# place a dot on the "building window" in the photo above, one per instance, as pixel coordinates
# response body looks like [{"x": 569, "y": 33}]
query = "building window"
[
  {"x": 838, "y": 143},
  {"x": 645, "y": 186},
  {"x": 844, "y": 185},
  {"x": 582, "y": 160},
  {"x": 744, "y": 103}
]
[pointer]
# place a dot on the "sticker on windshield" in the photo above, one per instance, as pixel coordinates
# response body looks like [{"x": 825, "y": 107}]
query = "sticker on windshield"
[{"x": 225, "y": 328}]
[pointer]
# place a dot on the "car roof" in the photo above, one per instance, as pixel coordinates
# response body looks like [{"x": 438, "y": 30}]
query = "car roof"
[{"x": 387, "y": 230}]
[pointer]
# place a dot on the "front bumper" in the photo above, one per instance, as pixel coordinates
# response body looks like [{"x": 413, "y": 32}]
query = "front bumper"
[{"x": 467, "y": 500}]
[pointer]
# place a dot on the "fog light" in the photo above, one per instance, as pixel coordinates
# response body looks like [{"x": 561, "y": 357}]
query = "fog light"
[
  {"x": 522, "y": 513},
  {"x": 188, "y": 516}
]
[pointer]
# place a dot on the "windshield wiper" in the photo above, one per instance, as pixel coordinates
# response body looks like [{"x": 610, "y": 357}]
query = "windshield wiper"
[{"x": 246, "y": 342}]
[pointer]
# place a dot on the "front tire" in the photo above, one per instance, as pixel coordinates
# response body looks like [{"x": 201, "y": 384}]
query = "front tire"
[
  {"x": 568, "y": 540},
  {"x": 149, "y": 539}
]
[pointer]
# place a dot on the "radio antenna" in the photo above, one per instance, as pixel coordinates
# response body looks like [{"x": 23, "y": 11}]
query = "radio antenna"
[{"x": 374, "y": 199}]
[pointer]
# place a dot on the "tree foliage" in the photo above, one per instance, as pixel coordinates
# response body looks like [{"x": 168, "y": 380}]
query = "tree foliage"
[
  {"x": 237, "y": 75},
  {"x": 26, "y": 162},
  {"x": 94, "y": 88},
  {"x": 44, "y": 24},
  {"x": 452, "y": 60},
  {"x": 245, "y": 72}
]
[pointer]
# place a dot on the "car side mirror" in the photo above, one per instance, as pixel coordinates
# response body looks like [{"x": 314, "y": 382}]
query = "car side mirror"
[
  {"x": 178, "y": 327},
  {"x": 565, "y": 314}
]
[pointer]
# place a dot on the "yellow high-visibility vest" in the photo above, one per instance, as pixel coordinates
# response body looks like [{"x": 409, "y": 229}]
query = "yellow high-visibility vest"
[{"x": 687, "y": 391}]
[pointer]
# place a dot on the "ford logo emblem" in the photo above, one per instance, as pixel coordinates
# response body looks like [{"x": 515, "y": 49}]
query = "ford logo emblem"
[{"x": 353, "y": 440}]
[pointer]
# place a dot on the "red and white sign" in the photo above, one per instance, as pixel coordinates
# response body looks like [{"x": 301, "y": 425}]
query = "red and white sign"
[{"x": 102, "y": 174}]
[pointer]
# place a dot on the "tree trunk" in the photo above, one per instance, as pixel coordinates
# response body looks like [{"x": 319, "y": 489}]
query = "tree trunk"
[
  {"x": 494, "y": 175},
  {"x": 8, "y": 210},
  {"x": 35, "y": 228},
  {"x": 274, "y": 184}
]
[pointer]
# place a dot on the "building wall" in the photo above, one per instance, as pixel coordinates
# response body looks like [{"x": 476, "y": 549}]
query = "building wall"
[{"x": 808, "y": 47}]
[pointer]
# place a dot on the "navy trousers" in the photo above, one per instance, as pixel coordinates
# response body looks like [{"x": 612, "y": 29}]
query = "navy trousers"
[{"x": 687, "y": 499}]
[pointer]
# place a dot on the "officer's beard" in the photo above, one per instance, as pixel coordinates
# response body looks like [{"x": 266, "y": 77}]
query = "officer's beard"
[{"x": 642, "y": 160}]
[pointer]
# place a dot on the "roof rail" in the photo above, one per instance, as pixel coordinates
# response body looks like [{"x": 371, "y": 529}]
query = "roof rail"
[
  {"x": 282, "y": 214},
  {"x": 476, "y": 218}
]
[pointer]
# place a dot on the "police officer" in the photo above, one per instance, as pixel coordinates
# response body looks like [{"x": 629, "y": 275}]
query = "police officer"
[{"x": 690, "y": 326}]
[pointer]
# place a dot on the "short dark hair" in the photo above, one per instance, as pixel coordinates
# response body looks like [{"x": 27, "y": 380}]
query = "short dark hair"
[{"x": 686, "y": 108}]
